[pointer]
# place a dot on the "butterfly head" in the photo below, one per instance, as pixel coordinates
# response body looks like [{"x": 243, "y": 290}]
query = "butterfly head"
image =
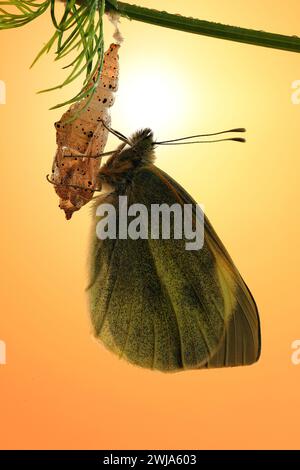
[{"x": 142, "y": 140}]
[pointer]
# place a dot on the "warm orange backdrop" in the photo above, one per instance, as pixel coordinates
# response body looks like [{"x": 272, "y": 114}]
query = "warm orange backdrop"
[{"x": 60, "y": 389}]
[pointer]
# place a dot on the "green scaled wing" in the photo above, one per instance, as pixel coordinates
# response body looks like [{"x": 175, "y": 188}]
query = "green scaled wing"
[
  {"x": 241, "y": 344},
  {"x": 162, "y": 307}
]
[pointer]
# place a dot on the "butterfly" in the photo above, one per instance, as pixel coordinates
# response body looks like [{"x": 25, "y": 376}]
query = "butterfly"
[{"x": 152, "y": 302}]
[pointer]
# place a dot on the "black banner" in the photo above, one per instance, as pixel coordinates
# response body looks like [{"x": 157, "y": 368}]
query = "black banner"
[{"x": 133, "y": 459}]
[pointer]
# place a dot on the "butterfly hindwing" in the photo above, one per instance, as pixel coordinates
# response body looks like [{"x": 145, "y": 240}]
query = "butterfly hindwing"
[
  {"x": 145, "y": 310},
  {"x": 130, "y": 312}
]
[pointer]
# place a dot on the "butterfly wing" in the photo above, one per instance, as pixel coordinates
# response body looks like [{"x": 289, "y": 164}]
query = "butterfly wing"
[
  {"x": 163, "y": 307},
  {"x": 241, "y": 344},
  {"x": 145, "y": 310}
]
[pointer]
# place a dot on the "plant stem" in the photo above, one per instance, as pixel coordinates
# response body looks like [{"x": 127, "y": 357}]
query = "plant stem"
[{"x": 206, "y": 28}]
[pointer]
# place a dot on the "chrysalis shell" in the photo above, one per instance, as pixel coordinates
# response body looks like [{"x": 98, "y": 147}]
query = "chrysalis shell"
[{"x": 84, "y": 136}]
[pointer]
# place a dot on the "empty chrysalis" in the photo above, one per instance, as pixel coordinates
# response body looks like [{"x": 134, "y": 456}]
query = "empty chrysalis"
[
  {"x": 153, "y": 302},
  {"x": 74, "y": 178}
]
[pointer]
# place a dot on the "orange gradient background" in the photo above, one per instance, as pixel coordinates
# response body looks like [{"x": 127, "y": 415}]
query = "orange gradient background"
[{"x": 60, "y": 388}]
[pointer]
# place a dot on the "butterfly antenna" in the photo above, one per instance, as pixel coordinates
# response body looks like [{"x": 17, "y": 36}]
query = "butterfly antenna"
[
  {"x": 234, "y": 139},
  {"x": 180, "y": 141}
]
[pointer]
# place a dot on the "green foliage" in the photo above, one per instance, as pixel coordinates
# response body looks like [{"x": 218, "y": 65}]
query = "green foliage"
[
  {"x": 80, "y": 28},
  {"x": 25, "y": 11}
]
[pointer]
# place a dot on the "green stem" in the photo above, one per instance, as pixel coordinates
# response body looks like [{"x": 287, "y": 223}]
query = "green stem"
[{"x": 206, "y": 28}]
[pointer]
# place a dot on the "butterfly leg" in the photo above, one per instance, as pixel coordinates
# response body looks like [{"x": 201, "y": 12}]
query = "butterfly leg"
[
  {"x": 116, "y": 133},
  {"x": 69, "y": 152},
  {"x": 92, "y": 149}
]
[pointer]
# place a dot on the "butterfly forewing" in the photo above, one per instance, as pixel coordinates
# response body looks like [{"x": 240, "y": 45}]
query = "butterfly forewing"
[{"x": 241, "y": 344}]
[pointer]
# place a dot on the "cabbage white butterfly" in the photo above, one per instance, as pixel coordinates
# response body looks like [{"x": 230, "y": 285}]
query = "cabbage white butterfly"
[{"x": 153, "y": 302}]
